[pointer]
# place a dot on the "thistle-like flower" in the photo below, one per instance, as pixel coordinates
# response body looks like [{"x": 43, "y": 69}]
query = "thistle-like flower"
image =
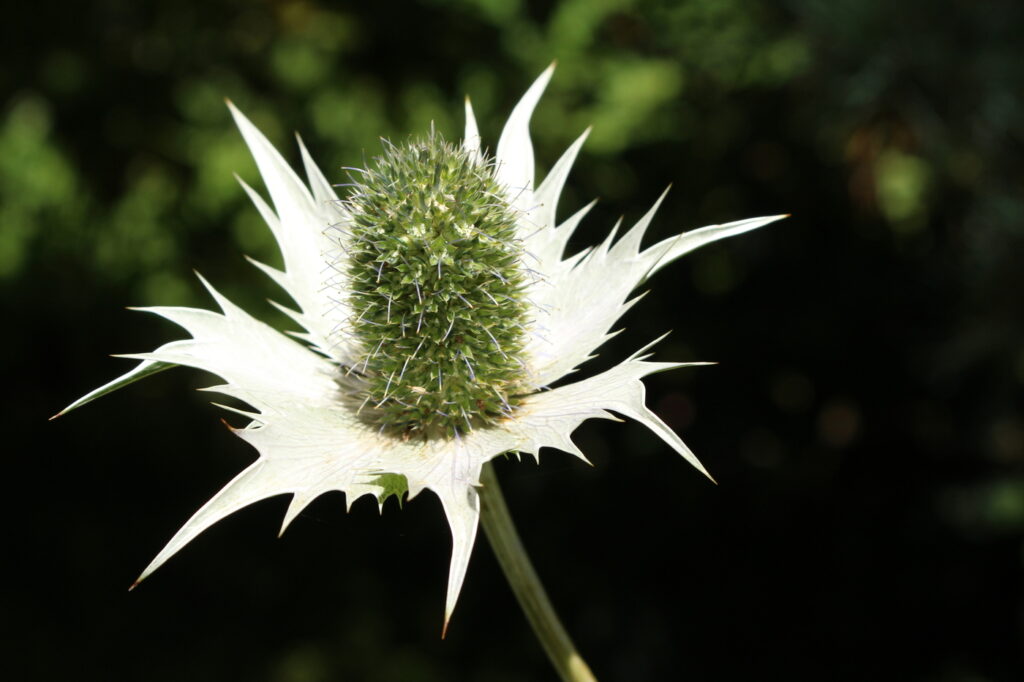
[{"x": 437, "y": 310}]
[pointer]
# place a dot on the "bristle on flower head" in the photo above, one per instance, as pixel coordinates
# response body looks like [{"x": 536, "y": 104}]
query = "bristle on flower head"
[{"x": 436, "y": 294}]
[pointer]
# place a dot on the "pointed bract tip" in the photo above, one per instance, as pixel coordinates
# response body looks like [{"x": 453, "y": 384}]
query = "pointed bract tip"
[
  {"x": 59, "y": 414},
  {"x": 649, "y": 346},
  {"x": 444, "y": 628},
  {"x": 134, "y": 584},
  {"x": 543, "y": 79}
]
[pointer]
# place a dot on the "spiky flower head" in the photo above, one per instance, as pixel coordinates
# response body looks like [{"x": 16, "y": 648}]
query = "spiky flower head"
[
  {"x": 436, "y": 284},
  {"x": 437, "y": 309}
]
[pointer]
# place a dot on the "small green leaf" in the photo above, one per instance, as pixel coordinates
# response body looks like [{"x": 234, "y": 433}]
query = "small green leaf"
[{"x": 391, "y": 484}]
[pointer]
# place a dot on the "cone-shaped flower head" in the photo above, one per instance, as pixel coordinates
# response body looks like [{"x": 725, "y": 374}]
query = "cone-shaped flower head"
[
  {"x": 436, "y": 309},
  {"x": 436, "y": 287}
]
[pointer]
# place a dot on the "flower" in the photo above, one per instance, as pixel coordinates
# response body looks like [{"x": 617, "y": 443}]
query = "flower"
[{"x": 437, "y": 310}]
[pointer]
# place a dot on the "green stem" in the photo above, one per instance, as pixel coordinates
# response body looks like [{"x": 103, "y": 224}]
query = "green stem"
[{"x": 525, "y": 584}]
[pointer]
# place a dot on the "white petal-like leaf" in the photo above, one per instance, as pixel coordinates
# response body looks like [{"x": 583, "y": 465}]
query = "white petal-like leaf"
[
  {"x": 306, "y": 230},
  {"x": 514, "y": 155},
  {"x": 577, "y": 306},
  {"x": 471, "y": 142}
]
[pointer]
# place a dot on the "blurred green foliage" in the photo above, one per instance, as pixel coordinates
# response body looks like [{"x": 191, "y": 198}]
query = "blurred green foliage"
[
  {"x": 642, "y": 72},
  {"x": 36, "y": 183},
  {"x": 635, "y": 85}
]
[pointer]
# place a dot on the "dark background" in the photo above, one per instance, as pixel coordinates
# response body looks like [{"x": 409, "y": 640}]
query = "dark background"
[{"x": 865, "y": 423}]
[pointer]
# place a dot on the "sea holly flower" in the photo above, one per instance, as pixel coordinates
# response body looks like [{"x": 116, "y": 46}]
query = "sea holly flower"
[{"x": 437, "y": 311}]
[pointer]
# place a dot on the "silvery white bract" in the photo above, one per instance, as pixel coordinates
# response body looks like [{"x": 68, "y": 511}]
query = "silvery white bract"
[{"x": 311, "y": 442}]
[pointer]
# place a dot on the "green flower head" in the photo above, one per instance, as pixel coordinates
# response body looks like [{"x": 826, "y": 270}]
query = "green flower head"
[{"x": 436, "y": 285}]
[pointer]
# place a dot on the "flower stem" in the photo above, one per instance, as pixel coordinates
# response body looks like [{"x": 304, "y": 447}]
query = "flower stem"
[{"x": 525, "y": 584}]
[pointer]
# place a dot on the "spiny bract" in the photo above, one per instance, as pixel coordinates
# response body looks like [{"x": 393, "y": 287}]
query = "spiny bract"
[{"x": 344, "y": 262}]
